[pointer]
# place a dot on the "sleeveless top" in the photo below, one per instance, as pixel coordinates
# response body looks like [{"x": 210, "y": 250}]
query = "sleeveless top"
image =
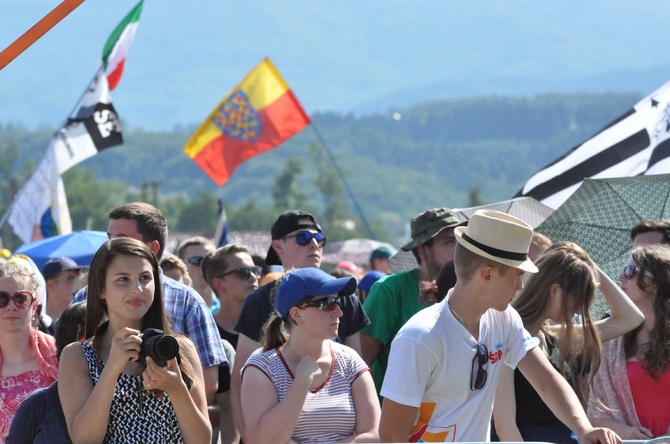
[
  {"x": 650, "y": 397},
  {"x": 328, "y": 413},
  {"x": 136, "y": 415}
]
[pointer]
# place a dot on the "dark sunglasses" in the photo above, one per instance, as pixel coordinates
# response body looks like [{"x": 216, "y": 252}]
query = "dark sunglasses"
[
  {"x": 327, "y": 304},
  {"x": 22, "y": 299},
  {"x": 305, "y": 237},
  {"x": 244, "y": 272},
  {"x": 628, "y": 271},
  {"x": 479, "y": 375},
  {"x": 195, "y": 260}
]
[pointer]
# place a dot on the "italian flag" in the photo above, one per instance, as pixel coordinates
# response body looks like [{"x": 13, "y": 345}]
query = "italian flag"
[{"x": 116, "y": 49}]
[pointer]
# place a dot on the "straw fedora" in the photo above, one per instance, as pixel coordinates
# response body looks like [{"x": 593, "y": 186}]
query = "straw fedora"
[{"x": 499, "y": 237}]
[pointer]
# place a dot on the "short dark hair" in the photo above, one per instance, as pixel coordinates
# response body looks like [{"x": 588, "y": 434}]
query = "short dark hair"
[
  {"x": 215, "y": 262},
  {"x": 662, "y": 226},
  {"x": 151, "y": 223}
]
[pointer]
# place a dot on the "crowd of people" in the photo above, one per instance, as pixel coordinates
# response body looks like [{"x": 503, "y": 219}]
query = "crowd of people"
[{"x": 490, "y": 337}]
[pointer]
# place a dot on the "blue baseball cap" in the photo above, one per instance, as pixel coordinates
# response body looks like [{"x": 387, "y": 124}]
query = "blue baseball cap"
[
  {"x": 369, "y": 279},
  {"x": 299, "y": 284}
]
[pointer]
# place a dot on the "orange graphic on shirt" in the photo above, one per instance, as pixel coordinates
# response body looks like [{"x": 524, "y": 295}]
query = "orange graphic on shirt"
[{"x": 419, "y": 433}]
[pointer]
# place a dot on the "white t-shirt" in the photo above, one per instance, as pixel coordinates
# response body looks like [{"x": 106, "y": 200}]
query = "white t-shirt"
[{"x": 430, "y": 367}]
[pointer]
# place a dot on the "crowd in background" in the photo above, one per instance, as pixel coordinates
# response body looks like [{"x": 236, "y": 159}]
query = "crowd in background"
[{"x": 490, "y": 337}]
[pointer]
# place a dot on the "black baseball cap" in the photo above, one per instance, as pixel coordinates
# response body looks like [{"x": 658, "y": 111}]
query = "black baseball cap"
[{"x": 286, "y": 223}]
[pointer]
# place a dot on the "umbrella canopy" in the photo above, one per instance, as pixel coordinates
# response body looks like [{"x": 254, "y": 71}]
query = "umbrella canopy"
[
  {"x": 79, "y": 246},
  {"x": 527, "y": 209},
  {"x": 600, "y": 214},
  {"x": 354, "y": 250}
]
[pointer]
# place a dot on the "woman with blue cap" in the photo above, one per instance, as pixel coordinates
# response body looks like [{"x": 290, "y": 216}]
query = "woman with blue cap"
[{"x": 304, "y": 387}]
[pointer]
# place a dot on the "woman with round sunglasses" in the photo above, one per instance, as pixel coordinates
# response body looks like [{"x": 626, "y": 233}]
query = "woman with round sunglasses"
[
  {"x": 630, "y": 392},
  {"x": 304, "y": 387},
  {"x": 565, "y": 285},
  {"x": 27, "y": 356}
]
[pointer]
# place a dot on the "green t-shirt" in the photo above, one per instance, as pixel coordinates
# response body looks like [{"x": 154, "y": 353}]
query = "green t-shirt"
[{"x": 391, "y": 302}]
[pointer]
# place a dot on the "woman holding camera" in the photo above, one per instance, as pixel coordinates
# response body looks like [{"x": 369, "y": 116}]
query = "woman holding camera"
[{"x": 110, "y": 388}]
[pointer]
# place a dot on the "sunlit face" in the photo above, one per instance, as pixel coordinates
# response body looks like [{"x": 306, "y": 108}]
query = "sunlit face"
[
  {"x": 630, "y": 287},
  {"x": 322, "y": 323},
  {"x": 232, "y": 285},
  {"x": 196, "y": 251},
  {"x": 506, "y": 286},
  {"x": 60, "y": 288},
  {"x": 440, "y": 251},
  {"x": 123, "y": 228},
  {"x": 129, "y": 289},
  {"x": 293, "y": 255},
  {"x": 12, "y": 318}
]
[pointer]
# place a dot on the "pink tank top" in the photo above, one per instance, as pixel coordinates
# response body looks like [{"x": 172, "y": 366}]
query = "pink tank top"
[{"x": 650, "y": 398}]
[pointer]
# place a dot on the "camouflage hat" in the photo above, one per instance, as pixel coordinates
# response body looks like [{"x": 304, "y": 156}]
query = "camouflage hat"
[{"x": 429, "y": 224}]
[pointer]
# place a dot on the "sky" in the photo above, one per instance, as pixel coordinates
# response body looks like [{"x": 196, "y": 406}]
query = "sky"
[{"x": 342, "y": 56}]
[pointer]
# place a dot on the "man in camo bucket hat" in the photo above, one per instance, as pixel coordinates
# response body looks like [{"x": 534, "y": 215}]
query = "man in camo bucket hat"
[{"x": 393, "y": 299}]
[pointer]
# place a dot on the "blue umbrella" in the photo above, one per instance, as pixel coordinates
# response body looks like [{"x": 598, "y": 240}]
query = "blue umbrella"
[{"x": 79, "y": 246}]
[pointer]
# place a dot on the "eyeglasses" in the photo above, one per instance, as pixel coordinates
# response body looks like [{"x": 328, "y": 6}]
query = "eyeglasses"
[
  {"x": 195, "y": 260},
  {"x": 326, "y": 304},
  {"x": 244, "y": 272},
  {"x": 22, "y": 299},
  {"x": 628, "y": 271},
  {"x": 305, "y": 237},
  {"x": 479, "y": 375}
]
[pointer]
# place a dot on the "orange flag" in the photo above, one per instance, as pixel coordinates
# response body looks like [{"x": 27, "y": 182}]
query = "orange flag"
[{"x": 256, "y": 116}]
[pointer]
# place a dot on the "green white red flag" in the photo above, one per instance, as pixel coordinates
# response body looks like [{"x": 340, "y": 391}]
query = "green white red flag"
[{"x": 116, "y": 49}]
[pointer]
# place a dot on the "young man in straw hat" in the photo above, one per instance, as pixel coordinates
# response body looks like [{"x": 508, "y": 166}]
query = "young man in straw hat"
[{"x": 445, "y": 362}]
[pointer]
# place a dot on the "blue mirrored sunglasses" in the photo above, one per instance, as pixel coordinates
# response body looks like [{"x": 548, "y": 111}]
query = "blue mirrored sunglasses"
[{"x": 305, "y": 237}]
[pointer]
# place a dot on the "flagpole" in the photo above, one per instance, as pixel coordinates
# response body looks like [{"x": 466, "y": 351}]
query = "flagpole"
[{"x": 340, "y": 173}]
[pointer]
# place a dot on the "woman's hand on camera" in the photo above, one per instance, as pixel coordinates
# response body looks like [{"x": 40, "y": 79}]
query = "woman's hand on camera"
[
  {"x": 126, "y": 346},
  {"x": 165, "y": 378}
]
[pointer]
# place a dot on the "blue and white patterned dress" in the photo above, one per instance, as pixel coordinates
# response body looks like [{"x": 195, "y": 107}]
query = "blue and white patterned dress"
[{"x": 136, "y": 415}]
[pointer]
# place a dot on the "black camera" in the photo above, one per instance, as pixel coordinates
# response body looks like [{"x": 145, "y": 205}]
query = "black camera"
[{"x": 158, "y": 346}]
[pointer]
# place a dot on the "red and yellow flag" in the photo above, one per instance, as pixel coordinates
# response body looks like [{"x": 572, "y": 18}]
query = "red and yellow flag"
[{"x": 256, "y": 116}]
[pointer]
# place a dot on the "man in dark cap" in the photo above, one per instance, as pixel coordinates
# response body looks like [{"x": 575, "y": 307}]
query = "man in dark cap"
[
  {"x": 380, "y": 259},
  {"x": 297, "y": 242},
  {"x": 395, "y": 298},
  {"x": 60, "y": 274}
]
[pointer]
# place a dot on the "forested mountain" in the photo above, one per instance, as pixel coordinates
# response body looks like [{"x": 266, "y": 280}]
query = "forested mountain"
[{"x": 397, "y": 163}]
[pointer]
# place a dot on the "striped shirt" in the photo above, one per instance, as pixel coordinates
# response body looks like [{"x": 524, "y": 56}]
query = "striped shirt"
[{"x": 328, "y": 414}]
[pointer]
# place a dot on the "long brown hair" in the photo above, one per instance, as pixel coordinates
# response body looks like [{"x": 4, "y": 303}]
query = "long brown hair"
[
  {"x": 96, "y": 307},
  {"x": 568, "y": 265},
  {"x": 656, "y": 356}
]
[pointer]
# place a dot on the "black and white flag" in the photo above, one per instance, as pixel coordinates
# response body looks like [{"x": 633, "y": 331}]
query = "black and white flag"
[
  {"x": 42, "y": 200},
  {"x": 635, "y": 143}
]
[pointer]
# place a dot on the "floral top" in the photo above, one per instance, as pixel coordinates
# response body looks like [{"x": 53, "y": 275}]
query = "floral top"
[{"x": 13, "y": 390}]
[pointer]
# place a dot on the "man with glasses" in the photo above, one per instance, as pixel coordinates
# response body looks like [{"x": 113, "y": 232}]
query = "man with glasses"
[
  {"x": 445, "y": 362},
  {"x": 297, "y": 242},
  {"x": 186, "y": 310},
  {"x": 231, "y": 273},
  {"x": 60, "y": 275},
  {"x": 192, "y": 251}
]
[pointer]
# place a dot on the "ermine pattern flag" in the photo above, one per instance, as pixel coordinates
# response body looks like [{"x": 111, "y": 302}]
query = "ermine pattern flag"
[
  {"x": 635, "y": 143},
  {"x": 93, "y": 128}
]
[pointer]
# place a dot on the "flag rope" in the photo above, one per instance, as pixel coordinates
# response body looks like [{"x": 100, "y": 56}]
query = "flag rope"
[{"x": 344, "y": 180}]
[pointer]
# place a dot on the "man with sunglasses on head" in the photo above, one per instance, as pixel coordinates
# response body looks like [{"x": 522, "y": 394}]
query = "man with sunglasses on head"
[
  {"x": 297, "y": 242},
  {"x": 192, "y": 251},
  {"x": 445, "y": 362},
  {"x": 187, "y": 312}
]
